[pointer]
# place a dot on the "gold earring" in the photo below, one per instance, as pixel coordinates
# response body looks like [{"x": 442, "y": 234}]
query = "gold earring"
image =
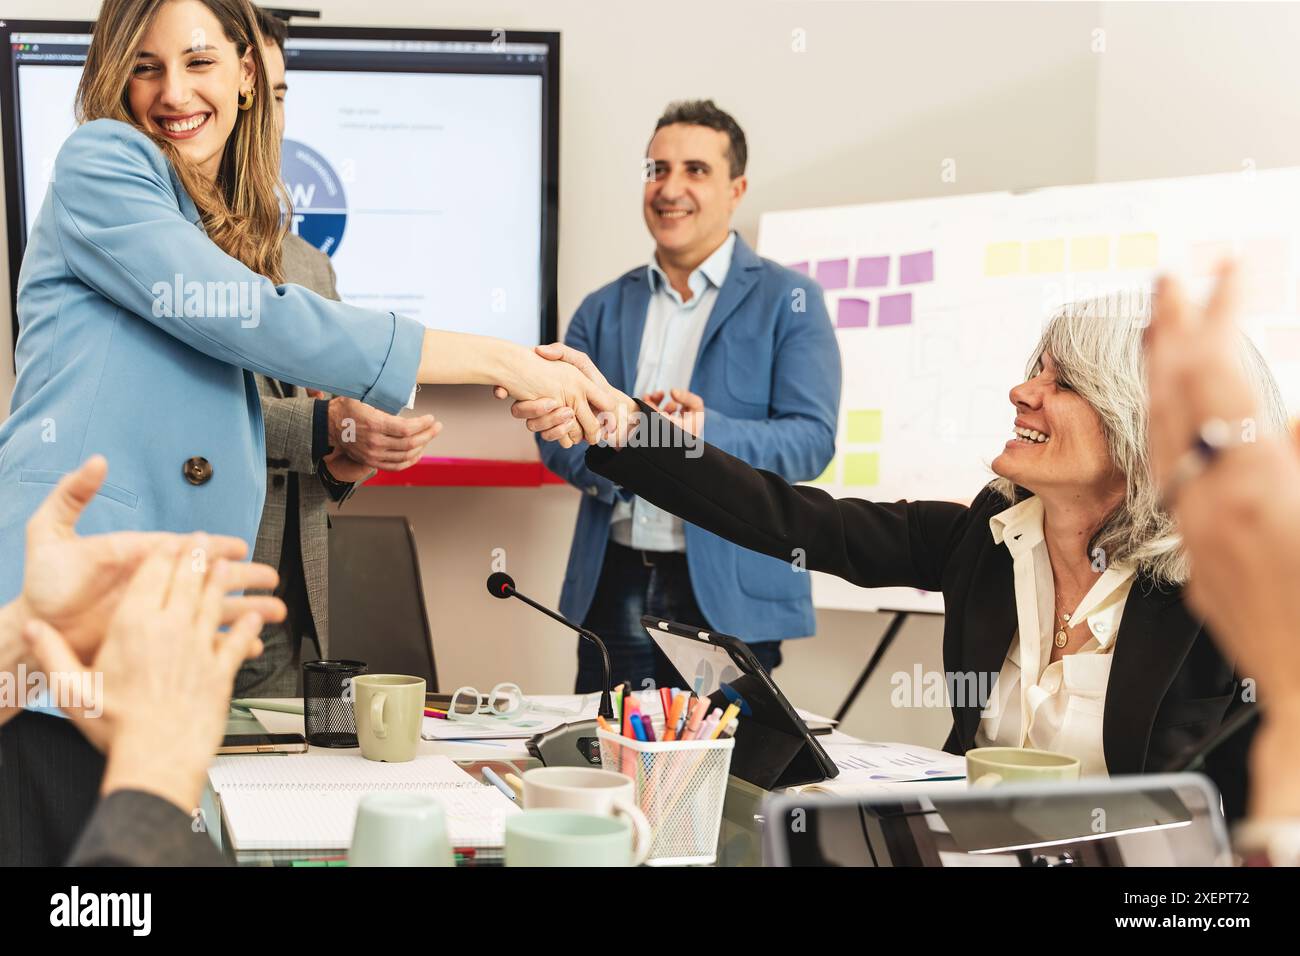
[{"x": 246, "y": 100}]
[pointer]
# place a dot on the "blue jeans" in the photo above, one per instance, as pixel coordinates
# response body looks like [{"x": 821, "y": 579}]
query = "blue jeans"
[{"x": 633, "y": 583}]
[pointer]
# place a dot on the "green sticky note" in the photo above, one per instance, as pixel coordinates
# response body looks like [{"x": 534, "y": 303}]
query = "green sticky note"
[
  {"x": 827, "y": 477},
  {"x": 862, "y": 468},
  {"x": 865, "y": 425}
]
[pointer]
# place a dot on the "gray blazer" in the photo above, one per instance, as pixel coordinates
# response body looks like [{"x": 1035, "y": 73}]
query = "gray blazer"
[
  {"x": 287, "y": 413},
  {"x": 134, "y": 828}
]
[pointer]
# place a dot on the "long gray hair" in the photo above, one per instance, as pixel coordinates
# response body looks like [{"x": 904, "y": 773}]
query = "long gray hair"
[{"x": 1097, "y": 348}]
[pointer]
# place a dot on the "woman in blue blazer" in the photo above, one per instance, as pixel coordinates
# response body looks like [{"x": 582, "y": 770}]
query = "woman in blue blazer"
[{"x": 147, "y": 297}]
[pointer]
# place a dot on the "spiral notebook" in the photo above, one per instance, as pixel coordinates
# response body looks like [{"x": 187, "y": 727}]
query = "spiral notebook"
[{"x": 309, "y": 801}]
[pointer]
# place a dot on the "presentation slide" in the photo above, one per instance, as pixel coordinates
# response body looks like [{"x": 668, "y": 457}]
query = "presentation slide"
[
  {"x": 938, "y": 304},
  {"x": 422, "y": 187}
]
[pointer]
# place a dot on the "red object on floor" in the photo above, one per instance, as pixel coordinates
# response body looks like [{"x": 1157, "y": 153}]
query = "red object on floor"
[{"x": 469, "y": 473}]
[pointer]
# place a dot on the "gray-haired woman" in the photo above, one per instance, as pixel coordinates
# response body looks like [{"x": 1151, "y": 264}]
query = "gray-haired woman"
[{"x": 1065, "y": 626}]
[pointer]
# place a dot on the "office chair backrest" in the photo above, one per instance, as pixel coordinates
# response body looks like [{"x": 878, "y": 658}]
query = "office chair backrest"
[{"x": 376, "y": 599}]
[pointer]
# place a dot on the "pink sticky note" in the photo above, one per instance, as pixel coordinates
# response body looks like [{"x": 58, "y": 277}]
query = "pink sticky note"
[
  {"x": 833, "y": 273},
  {"x": 799, "y": 267},
  {"x": 916, "y": 267},
  {"x": 895, "y": 309},
  {"x": 853, "y": 314},
  {"x": 872, "y": 272}
]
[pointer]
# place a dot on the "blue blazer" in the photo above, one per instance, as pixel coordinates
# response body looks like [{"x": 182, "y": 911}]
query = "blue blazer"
[
  {"x": 768, "y": 370},
  {"x": 109, "y": 362}
]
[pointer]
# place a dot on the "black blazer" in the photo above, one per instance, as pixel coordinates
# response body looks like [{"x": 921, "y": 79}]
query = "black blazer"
[{"x": 1169, "y": 686}]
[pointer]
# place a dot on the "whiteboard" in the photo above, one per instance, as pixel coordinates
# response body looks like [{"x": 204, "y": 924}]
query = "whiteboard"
[{"x": 939, "y": 302}]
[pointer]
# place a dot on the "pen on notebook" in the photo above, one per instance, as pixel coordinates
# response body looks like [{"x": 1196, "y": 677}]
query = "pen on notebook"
[
  {"x": 249, "y": 703},
  {"x": 491, "y": 777}
]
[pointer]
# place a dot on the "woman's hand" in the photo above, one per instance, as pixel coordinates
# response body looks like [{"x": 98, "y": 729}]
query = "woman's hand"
[
  {"x": 1193, "y": 369},
  {"x": 75, "y": 583},
  {"x": 616, "y": 412},
  {"x": 157, "y": 694},
  {"x": 1240, "y": 518}
]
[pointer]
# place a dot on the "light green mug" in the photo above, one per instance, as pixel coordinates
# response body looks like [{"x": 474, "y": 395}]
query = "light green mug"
[
  {"x": 991, "y": 766},
  {"x": 389, "y": 711},
  {"x": 567, "y": 838},
  {"x": 400, "y": 829}
]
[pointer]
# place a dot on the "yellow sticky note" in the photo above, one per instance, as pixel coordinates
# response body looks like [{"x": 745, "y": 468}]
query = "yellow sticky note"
[
  {"x": 1089, "y": 253},
  {"x": 1139, "y": 250},
  {"x": 1002, "y": 258},
  {"x": 862, "y": 468},
  {"x": 827, "y": 477},
  {"x": 865, "y": 425},
  {"x": 1047, "y": 255}
]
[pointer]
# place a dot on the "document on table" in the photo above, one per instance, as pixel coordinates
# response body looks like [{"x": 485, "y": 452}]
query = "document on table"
[
  {"x": 550, "y": 711},
  {"x": 309, "y": 801},
  {"x": 880, "y": 767}
]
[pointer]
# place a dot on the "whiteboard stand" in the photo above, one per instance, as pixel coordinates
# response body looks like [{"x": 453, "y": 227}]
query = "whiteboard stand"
[{"x": 891, "y": 632}]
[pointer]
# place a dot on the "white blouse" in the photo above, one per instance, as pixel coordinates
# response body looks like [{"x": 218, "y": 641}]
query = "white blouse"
[{"x": 1052, "y": 706}]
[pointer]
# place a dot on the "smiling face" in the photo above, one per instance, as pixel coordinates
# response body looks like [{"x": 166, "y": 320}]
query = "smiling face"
[
  {"x": 1058, "y": 444},
  {"x": 691, "y": 195},
  {"x": 186, "y": 82}
]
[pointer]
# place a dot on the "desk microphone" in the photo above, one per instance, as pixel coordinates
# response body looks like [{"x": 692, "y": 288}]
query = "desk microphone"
[{"x": 502, "y": 585}]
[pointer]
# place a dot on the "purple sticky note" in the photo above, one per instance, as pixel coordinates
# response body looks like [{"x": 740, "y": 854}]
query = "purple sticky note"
[
  {"x": 895, "y": 309},
  {"x": 871, "y": 272},
  {"x": 916, "y": 267},
  {"x": 853, "y": 314},
  {"x": 833, "y": 273},
  {"x": 799, "y": 267}
]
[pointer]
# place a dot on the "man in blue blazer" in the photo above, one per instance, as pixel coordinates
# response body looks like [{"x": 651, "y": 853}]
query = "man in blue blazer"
[{"x": 739, "y": 350}]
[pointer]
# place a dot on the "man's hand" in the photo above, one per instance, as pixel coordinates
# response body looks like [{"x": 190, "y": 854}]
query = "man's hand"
[
  {"x": 376, "y": 439},
  {"x": 344, "y": 468},
  {"x": 166, "y": 670},
  {"x": 75, "y": 583},
  {"x": 617, "y": 413},
  {"x": 684, "y": 408}
]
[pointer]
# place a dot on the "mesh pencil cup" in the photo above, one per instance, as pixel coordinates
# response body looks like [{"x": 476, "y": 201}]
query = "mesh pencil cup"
[
  {"x": 680, "y": 787},
  {"x": 327, "y": 714}
]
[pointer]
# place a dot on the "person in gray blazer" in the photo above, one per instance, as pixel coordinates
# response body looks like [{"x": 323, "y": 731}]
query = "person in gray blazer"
[
  {"x": 318, "y": 450},
  {"x": 147, "y": 616}
]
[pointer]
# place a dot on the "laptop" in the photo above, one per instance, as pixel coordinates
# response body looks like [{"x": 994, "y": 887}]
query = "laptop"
[{"x": 1156, "y": 820}]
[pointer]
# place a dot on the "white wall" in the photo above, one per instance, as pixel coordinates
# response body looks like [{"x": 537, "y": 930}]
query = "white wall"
[{"x": 884, "y": 93}]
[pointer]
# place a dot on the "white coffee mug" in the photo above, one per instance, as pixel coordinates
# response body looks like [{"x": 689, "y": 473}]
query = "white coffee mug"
[{"x": 590, "y": 790}]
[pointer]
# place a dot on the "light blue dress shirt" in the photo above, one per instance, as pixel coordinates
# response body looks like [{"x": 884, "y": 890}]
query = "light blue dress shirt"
[{"x": 670, "y": 344}]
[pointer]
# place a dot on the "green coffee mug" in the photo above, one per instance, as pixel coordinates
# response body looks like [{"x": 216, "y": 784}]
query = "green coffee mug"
[
  {"x": 389, "y": 712},
  {"x": 567, "y": 838},
  {"x": 400, "y": 829},
  {"x": 991, "y": 766}
]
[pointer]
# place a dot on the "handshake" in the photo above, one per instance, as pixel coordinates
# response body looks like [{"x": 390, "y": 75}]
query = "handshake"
[{"x": 561, "y": 395}]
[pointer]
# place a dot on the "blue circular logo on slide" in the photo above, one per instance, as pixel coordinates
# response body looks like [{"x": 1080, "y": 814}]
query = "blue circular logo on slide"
[{"x": 320, "y": 210}]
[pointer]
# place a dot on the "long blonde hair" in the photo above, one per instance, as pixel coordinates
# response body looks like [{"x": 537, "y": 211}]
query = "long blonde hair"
[{"x": 246, "y": 211}]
